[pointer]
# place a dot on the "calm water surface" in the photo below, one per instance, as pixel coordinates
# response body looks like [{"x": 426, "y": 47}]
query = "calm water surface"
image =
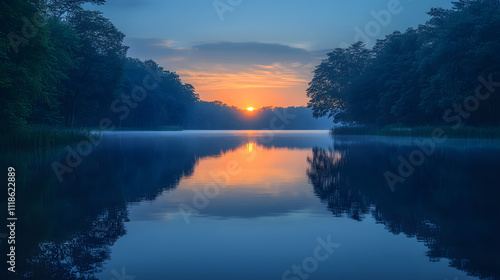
[{"x": 255, "y": 205}]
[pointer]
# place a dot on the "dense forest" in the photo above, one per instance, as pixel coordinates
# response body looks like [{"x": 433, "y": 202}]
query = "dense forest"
[
  {"x": 63, "y": 65},
  {"x": 445, "y": 71},
  {"x": 218, "y": 115}
]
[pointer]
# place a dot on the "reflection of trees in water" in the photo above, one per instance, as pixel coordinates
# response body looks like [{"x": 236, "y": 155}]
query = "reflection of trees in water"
[
  {"x": 83, "y": 254},
  {"x": 449, "y": 203},
  {"x": 332, "y": 187},
  {"x": 66, "y": 230}
]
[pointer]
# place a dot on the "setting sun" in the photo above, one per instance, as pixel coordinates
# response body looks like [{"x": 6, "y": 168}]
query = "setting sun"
[{"x": 250, "y": 109}]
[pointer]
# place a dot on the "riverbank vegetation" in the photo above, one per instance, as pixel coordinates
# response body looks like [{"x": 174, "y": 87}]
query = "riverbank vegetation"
[
  {"x": 40, "y": 137},
  {"x": 419, "y": 131},
  {"x": 64, "y": 68},
  {"x": 445, "y": 72}
]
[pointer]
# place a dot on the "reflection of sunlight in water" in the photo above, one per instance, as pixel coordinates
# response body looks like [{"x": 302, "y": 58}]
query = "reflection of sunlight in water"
[
  {"x": 270, "y": 181},
  {"x": 250, "y": 146},
  {"x": 291, "y": 193},
  {"x": 263, "y": 171}
]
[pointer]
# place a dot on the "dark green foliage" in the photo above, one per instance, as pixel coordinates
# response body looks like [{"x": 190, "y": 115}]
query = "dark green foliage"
[
  {"x": 25, "y": 63},
  {"x": 90, "y": 87},
  {"x": 40, "y": 138},
  {"x": 332, "y": 79},
  {"x": 62, "y": 65},
  {"x": 166, "y": 99},
  {"x": 414, "y": 78},
  {"x": 63, "y": 59}
]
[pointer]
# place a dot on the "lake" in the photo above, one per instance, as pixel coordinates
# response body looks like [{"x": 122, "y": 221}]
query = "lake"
[{"x": 261, "y": 205}]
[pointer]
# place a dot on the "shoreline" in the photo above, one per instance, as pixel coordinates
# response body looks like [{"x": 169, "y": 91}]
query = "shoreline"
[
  {"x": 46, "y": 137},
  {"x": 469, "y": 132}
]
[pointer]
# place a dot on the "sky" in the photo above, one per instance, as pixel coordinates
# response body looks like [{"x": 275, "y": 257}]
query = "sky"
[{"x": 255, "y": 53}]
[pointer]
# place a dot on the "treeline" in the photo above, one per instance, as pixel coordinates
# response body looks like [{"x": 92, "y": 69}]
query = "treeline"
[
  {"x": 217, "y": 115},
  {"x": 443, "y": 72},
  {"x": 62, "y": 65}
]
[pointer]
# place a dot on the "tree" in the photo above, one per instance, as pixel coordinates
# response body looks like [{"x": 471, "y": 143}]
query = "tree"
[
  {"x": 415, "y": 77},
  {"x": 333, "y": 77},
  {"x": 462, "y": 45},
  {"x": 63, "y": 59},
  {"x": 167, "y": 102},
  {"x": 91, "y": 86},
  {"x": 63, "y": 8},
  {"x": 25, "y": 62},
  {"x": 39, "y": 49}
]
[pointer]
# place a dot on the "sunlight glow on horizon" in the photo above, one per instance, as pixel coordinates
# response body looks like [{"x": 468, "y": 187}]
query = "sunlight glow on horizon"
[
  {"x": 256, "y": 56},
  {"x": 276, "y": 84},
  {"x": 258, "y": 98}
]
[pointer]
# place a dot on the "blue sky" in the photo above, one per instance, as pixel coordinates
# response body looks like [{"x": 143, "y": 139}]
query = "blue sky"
[{"x": 255, "y": 52}]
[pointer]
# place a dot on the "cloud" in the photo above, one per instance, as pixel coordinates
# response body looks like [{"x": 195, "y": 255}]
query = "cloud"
[
  {"x": 232, "y": 66},
  {"x": 169, "y": 44},
  {"x": 223, "y": 52},
  {"x": 275, "y": 76},
  {"x": 254, "y": 53}
]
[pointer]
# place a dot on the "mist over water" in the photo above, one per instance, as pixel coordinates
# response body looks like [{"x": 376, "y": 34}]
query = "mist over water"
[{"x": 249, "y": 204}]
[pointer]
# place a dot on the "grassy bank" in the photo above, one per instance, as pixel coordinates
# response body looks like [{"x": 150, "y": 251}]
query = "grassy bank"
[
  {"x": 161, "y": 128},
  {"x": 420, "y": 131},
  {"x": 40, "y": 137}
]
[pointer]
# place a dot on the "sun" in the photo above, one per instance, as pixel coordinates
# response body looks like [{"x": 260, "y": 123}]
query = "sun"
[{"x": 250, "y": 109}]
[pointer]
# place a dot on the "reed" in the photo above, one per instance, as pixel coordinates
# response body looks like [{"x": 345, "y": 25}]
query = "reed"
[
  {"x": 419, "y": 131},
  {"x": 40, "y": 137}
]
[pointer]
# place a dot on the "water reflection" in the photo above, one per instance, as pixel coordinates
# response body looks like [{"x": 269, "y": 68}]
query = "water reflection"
[
  {"x": 70, "y": 230},
  {"x": 450, "y": 203},
  {"x": 66, "y": 229}
]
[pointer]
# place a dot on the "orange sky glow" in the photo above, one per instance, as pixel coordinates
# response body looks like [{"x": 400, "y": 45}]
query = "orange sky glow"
[
  {"x": 257, "y": 86},
  {"x": 256, "y": 97},
  {"x": 249, "y": 60}
]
